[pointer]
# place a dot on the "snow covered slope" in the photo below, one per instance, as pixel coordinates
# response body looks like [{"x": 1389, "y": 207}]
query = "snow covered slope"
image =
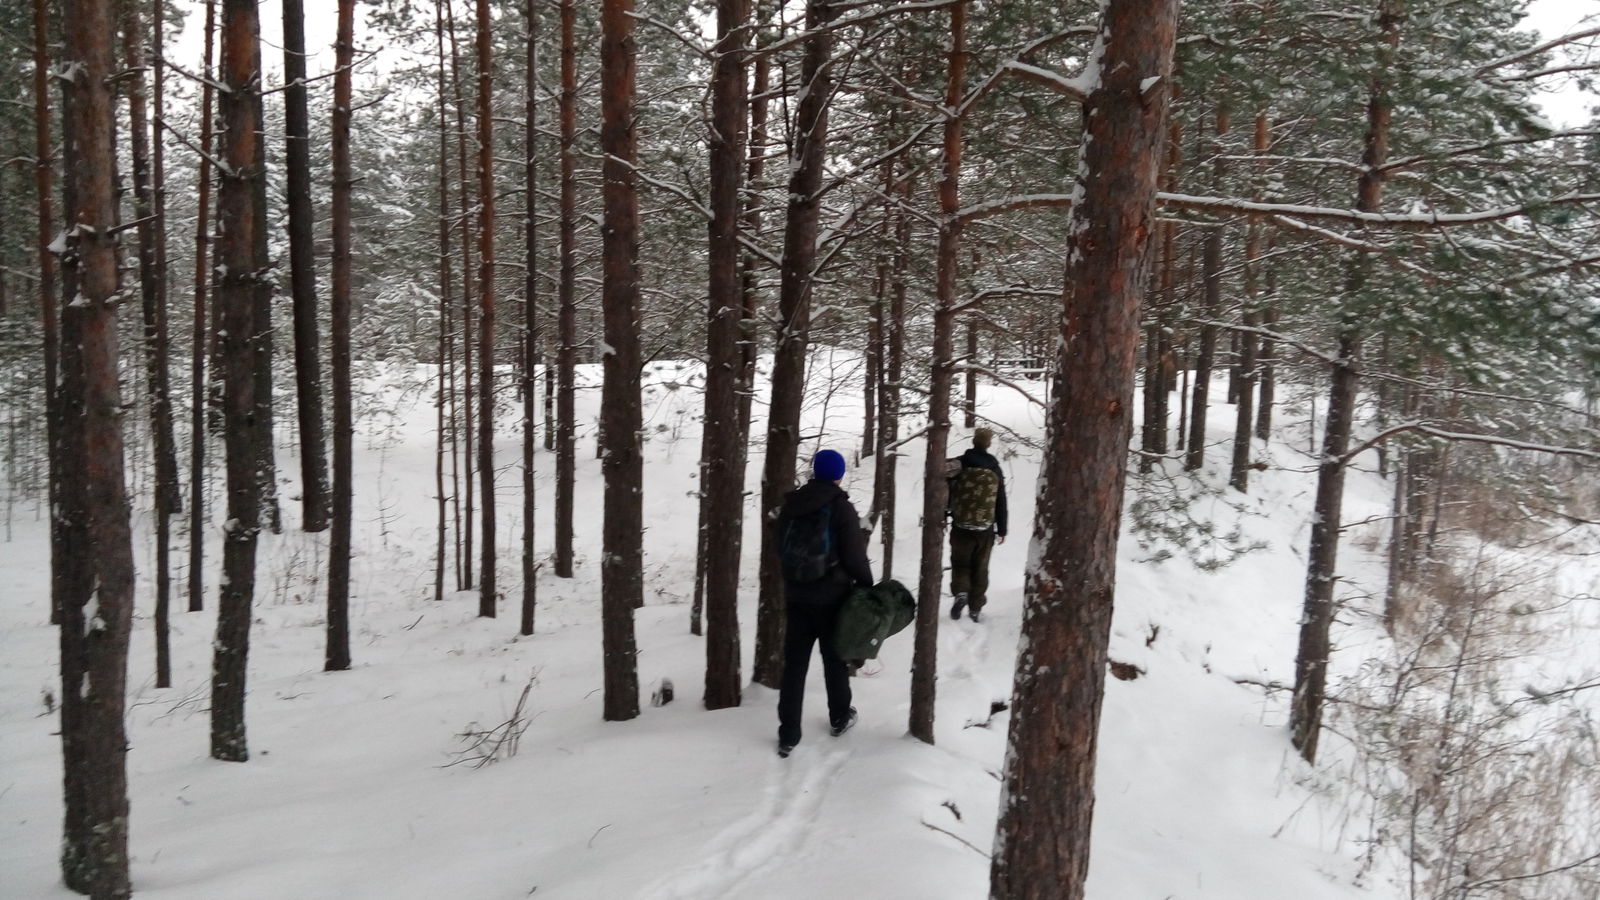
[{"x": 348, "y": 793}]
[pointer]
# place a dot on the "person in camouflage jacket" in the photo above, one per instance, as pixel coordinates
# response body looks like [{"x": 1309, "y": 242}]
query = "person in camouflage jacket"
[{"x": 977, "y": 512}]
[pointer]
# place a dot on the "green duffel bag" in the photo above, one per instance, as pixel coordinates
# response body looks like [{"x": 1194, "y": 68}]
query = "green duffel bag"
[{"x": 869, "y": 616}]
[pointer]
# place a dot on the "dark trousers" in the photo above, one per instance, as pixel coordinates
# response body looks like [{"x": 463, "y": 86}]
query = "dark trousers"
[
  {"x": 969, "y": 564},
  {"x": 807, "y": 624}
]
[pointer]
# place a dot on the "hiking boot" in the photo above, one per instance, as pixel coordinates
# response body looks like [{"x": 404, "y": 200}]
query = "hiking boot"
[
  {"x": 848, "y": 724},
  {"x": 973, "y": 614},
  {"x": 784, "y": 750},
  {"x": 958, "y": 606}
]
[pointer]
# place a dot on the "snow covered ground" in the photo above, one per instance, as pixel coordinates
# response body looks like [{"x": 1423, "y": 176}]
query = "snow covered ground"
[{"x": 348, "y": 792}]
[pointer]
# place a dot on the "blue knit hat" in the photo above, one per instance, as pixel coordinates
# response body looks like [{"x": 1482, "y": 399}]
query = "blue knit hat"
[{"x": 828, "y": 465}]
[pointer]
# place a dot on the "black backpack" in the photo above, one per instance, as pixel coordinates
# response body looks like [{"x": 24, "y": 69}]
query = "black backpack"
[{"x": 806, "y": 549}]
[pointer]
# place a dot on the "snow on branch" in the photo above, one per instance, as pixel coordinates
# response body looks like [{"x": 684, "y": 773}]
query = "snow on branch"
[
  {"x": 1012, "y": 204},
  {"x": 859, "y": 19},
  {"x": 1421, "y": 427},
  {"x": 1077, "y": 88},
  {"x": 1531, "y": 52},
  {"x": 1246, "y": 207},
  {"x": 1410, "y": 161}
]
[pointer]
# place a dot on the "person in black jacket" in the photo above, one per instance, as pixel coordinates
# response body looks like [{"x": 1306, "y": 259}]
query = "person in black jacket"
[
  {"x": 975, "y": 532},
  {"x": 812, "y": 605}
]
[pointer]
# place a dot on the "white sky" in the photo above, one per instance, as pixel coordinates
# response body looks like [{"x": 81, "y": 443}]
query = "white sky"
[{"x": 1565, "y": 103}]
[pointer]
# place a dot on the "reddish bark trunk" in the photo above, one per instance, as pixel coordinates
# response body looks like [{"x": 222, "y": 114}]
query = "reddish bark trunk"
[
  {"x": 930, "y": 581},
  {"x": 303, "y": 271},
  {"x": 621, "y": 564},
  {"x": 97, "y": 596},
  {"x": 240, "y": 264},
  {"x": 723, "y": 450},
  {"x": 1316, "y": 619},
  {"x": 794, "y": 322},
  {"x": 1047, "y": 804}
]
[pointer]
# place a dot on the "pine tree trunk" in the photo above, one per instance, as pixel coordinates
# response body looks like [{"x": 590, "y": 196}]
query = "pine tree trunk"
[
  {"x": 1047, "y": 802},
  {"x": 97, "y": 578},
  {"x": 263, "y": 344},
  {"x": 872, "y": 369},
  {"x": 152, "y": 292},
  {"x": 530, "y": 339},
  {"x": 1316, "y": 619},
  {"x": 970, "y": 407},
  {"x": 1249, "y": 375},
  {"x": 44, "y": 187},
  {"x": 722, "y": 456},
  {"x": 241, "y": 265},
  {"x": 161, "y": 347},
  {"x": 1160, "y": 362},
  {"x": 750, "y": 282},
  {"x": 930, "y": 582},
  {"x": 1211, "y": 277},
  {"x": 200, "y": 334},
  {"x": 468, "y": 297},
  {"x": 794, "y": 323},
  {"x": 621, "y": 565},
  {"x": 445, "y": 418},
  {"x": 1266, "y": 360},
  {"x": 486, "y": 319},
  {"x": 337, "y": 655},
  {"x": 567, "y": 298},
  {"x": 303, "y": 270},
  {"x": 886, "y": 480}
]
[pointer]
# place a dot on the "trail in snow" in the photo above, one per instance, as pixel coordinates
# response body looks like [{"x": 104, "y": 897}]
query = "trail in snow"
[{"x": 780, "y": 825}]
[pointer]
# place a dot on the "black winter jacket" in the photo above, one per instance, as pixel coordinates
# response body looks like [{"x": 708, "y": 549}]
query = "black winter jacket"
[
  {"x": 850, "y": 544},
  {"x": 978, "y": 458}
]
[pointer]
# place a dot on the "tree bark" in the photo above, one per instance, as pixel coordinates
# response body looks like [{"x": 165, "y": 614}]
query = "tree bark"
[
  {"x": 886, "y": 482},
  {"x": 567, "y": 298},
  {"x": 530, "y": 334},
  {"x": 263, "y": 344},
  {"x": 337, "y": 656},
  {"x": 1047, "y": 803},
  {"x": 1316, "y": 619},
  {"x": 621, "y": 564},
  {"x": 446, "y": 412},
  {"x": 468, "y": 296},
  {"x": 1211, "y": 277},
  {"x": 486, "y": 578},
  {"x": 723, "y": 450},
  {"x": 200, "y": 334},
  {"x": 303, "y": 270},
  {"x": 152, "y": 293},
  {"x": 44, "y": 187},
  {"x": 1245, "y": 413},
  {"x": 794, "y": 323},
  {"x": 162, "y": 344},
  {"x": 750, "y": 282},
  {"x": 241, "y": 266},
  {"x": 98, "y": 584},
  {"x": 930, "y": 581}
]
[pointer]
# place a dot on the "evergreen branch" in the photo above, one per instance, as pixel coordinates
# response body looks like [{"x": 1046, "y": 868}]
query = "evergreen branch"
[
  {"x": 1531, "y": 52},
  {"x": 1422, "y": 427},
  {"x": 1423, "y": 220},
  {"x": 1489, "y": 145},
  {"x": 850, "y": 21},
  {"x": 1013, "y": 204}
]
